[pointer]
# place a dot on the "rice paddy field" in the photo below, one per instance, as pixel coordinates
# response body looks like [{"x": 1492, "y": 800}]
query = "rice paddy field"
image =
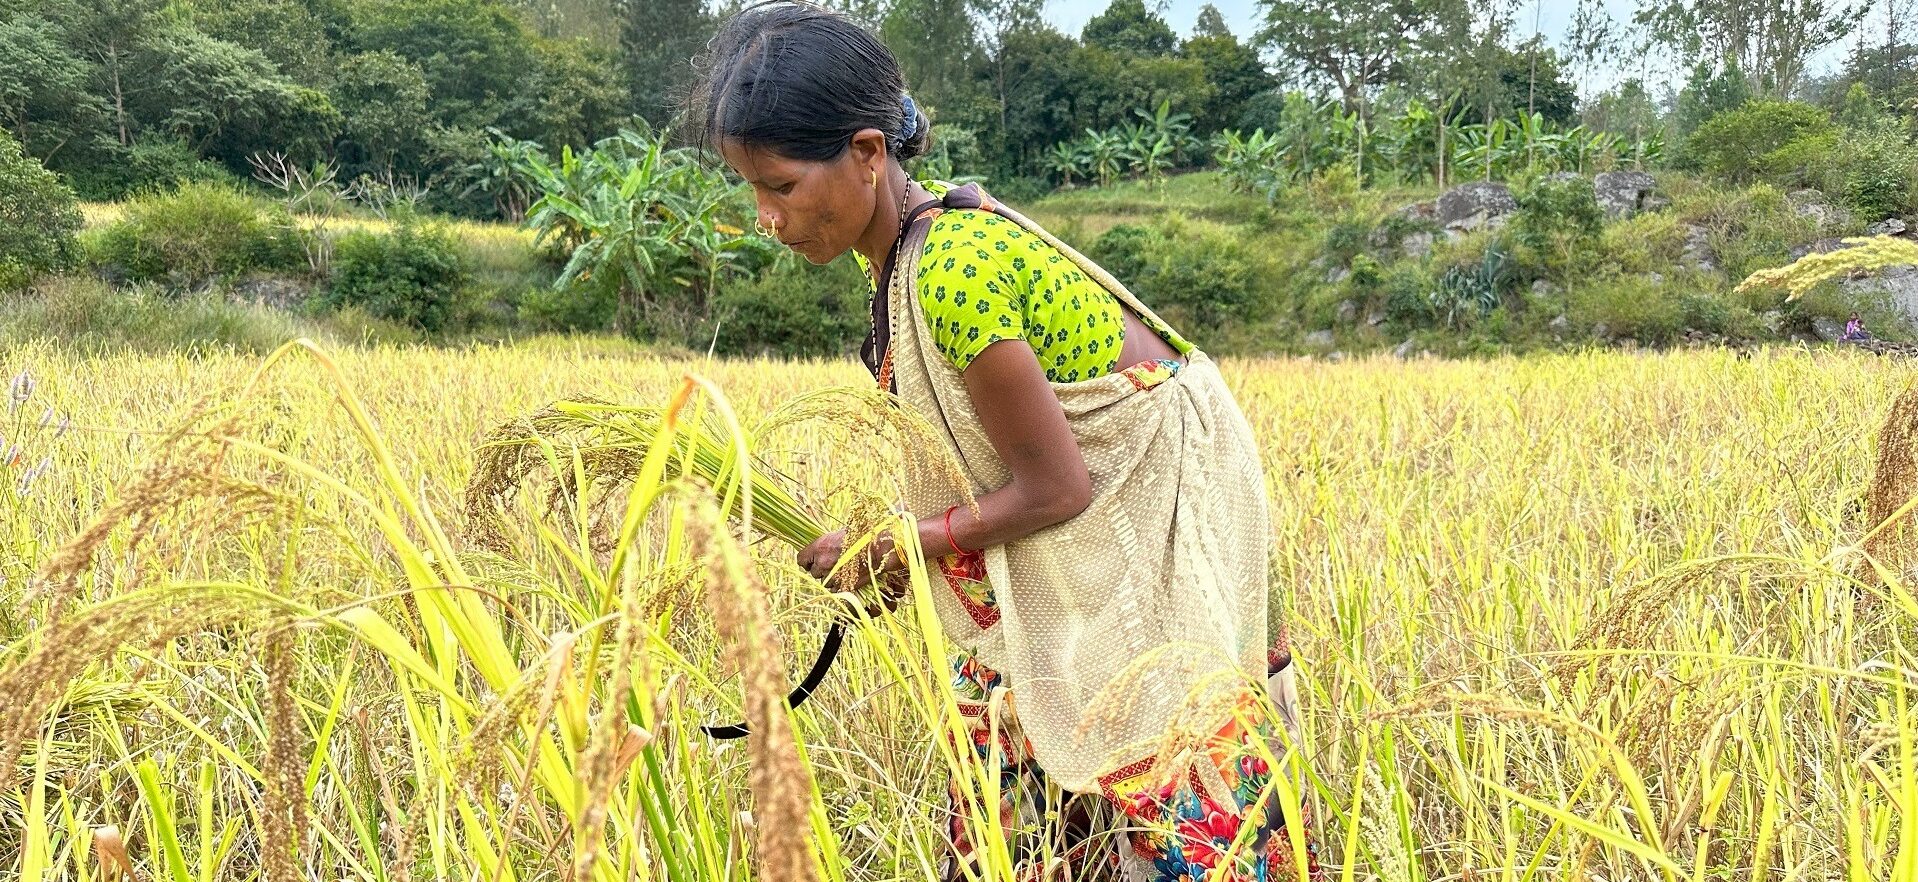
[{"x": 1591, "y": 616}]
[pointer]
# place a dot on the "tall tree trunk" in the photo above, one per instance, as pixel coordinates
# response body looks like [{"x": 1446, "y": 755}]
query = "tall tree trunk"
[{"x": 119, "y": 96}]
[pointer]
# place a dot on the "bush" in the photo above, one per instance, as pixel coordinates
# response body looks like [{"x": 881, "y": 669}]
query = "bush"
[
  {"x": 1557, "y": 228},
  {"x": 150, "y": 164},
  {"x": 1744, "y": 144},
  {"x": 1747, "y": 229},
  {"x": 38, "y": 217},
  {"x": 1123, "y": 251},
  {"x": 1626, "y": 306},
  {"x": 794, "y": 310},
  {"x": 1408, "y": 303},
  {"x": 1646, "y": 242},
  {"x": 1877, "y": 172},
  {"x": 1210, "y": 274},
  {"x": 196, "y": 234},
  {"x": 411, "y": 275}
]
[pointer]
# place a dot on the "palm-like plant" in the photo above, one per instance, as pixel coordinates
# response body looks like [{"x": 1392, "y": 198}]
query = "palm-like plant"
[
  {"x": 658, "y": 227},
  {"x": 1067, "y": 159},
  {"x": 1106, "y": 155}
]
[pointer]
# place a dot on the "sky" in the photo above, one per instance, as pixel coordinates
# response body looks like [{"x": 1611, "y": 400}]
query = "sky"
[{"x": 1553, "y": 17}]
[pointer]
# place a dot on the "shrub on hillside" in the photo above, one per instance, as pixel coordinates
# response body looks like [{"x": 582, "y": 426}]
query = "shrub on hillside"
[
  {"x": 1746, "y": 229},
  {"x": 196, "y": 234},
  {"x": 1204, "y": 273},
  {"x": 150, "y": 164},
  {"x": 411, "y": 275},
  {"x": 1123, "y": 251},
  {"x": 1876, "y": 171},
  {"x": 795, "y": 310},
  {"x": 578, "y": 307},
  {"x": 1639, "y": 307},
  {"x": 1744, "y": 144},
  {"x": 38, "y": 217},
  {"x": 1556, "y": 228},
  {"x": 1407, "y": 291},
  {"x": 1651, "y": 241}
]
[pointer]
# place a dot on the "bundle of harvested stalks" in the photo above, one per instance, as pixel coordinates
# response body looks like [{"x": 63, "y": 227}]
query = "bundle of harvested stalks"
[
  {"x": 1890, "y": 497},
  {"x": 590, "y": 452},
  {"x": 590, "y": 445}
]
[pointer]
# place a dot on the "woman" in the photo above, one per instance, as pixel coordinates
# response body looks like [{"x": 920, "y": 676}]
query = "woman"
[{"x": 1108, "y": 589}]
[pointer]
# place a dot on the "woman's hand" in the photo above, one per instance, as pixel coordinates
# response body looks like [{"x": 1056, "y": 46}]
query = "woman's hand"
[
  {"x": 824, "y": 553},
  {"x": 820, "y": 557}
]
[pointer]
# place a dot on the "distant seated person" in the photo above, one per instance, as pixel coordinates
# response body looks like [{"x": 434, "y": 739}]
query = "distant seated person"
[{"x": 1855, "y": 331}]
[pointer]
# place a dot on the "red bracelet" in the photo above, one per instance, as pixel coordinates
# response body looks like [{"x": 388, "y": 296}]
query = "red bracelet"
[{"x": 949, "y": 540}]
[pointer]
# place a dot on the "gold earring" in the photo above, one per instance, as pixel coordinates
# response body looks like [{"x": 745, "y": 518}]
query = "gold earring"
[{"x": 875, "y": 179}]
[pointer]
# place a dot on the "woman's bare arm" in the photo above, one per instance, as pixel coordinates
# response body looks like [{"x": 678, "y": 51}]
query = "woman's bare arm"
[{"x": 1022, "y": 418}]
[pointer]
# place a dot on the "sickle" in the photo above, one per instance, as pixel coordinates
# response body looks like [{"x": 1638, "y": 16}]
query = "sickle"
[{"x": 827, "y": 653}]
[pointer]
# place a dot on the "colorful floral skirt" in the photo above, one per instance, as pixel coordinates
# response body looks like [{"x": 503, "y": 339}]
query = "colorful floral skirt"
[{"x": 1138, "y": 828}]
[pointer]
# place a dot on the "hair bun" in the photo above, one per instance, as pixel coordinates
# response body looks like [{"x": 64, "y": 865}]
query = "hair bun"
[{"x": 915, "y": 130}]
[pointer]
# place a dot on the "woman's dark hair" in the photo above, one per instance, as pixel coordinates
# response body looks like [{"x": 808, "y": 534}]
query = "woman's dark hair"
[{"x": 800, "y": 81}]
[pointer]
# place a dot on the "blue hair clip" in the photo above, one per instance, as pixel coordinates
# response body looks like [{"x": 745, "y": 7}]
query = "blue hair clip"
[{"x": 912, "y": 118}]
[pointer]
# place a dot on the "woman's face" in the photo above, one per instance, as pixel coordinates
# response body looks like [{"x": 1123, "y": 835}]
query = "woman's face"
[{"x": 818, "y": 209}]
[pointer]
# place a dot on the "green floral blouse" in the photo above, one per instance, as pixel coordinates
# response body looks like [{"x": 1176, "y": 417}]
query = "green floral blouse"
[{"x": 981, "y": 279}]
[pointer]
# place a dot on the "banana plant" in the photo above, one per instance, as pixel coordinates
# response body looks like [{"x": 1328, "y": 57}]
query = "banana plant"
[
  {"x": 1106, "y": 152},
  {"x": 653, "y": 224},
  {"x": 1175, "y": 129},
  {"x": 1067, "y": 159}
]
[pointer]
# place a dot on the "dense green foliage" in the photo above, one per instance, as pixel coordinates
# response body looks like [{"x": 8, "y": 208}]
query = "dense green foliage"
[
  {"x": 1326, "y": 128},
  {"x": 38, "y": 217},
  {"x": 411, "y": 275},
  {"x": 196, "y": 234}
]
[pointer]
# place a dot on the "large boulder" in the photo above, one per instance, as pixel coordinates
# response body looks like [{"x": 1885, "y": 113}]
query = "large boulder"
[
  {"x": 1827, "y": 329},
  {"x": 1698, "y": 248},
  {"x": 1478, "y": 205},
  {"x": 1814, "y": 204},
  {"x": 1899, "y": 284},
  {"x": 1321, "y": 339},
  {"x": 1890, "y": 226},
  {"x": 1623, "y": 193}
]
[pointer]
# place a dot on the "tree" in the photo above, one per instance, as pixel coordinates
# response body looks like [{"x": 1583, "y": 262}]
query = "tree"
[
  {"x": 1233, "y": 69},
  {"x": 1527, "y": 78},
  {"x": 383, "y": 99},
  {"x": 43, "y": 86},
  {"x": 225, "y": 98},
  {"x": 289, "y": 32},
  {"x": 934, "y": 41},
  {"x": 1628, "y": 111},
  {"x": 1351, "y": 45},
  {"x": 1128, "y": 26},
  {"x": 1034, "y": 75},
  {"x": 1457, "y": 54},
  {"x": 1211, "y": 23},
  {"x": 657, "y": 42},
  {"x": 996, "y": 24},
  {"x": 1859, "y": 110},
  {"x": 111, "y": 35},
  {"x": 38, "y": 217},
  {"x": 1769, "y": 39},
  {"x": 1709, "y": 92}
]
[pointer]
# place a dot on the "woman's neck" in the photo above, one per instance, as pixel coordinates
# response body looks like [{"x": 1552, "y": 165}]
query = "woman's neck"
[{"x": 895, "y": 194}]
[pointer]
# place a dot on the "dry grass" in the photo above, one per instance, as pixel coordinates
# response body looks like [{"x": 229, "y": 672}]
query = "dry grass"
[{"x": 1579, "y": 616}]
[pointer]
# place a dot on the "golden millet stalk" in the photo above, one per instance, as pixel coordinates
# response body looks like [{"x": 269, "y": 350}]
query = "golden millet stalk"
[
  {"x": 1865, "y": 254},
  {"x": 781, "y": 786}
]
